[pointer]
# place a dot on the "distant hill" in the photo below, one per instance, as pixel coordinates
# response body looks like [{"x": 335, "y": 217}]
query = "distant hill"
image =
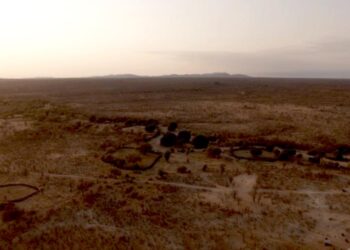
[
  {"x": 133, "y": 76},
  {"x": 206, "y": 75},
  {"x": 119, "y": 76}
]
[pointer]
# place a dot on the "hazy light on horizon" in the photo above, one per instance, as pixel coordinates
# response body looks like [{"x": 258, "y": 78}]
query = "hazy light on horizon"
[{"x": 152, "y": 37}]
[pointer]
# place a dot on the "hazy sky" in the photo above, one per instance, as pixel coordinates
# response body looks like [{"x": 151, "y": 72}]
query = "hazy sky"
[{"x": 97, "y": 37}]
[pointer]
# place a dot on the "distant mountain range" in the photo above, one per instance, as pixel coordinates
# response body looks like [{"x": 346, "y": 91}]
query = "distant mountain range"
[
  {"x": 206, "y": 75},
  {"x": 133, "y": 76}
]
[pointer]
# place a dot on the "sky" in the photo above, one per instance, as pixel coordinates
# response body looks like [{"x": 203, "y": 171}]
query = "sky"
[{"x": 273, "y": 38}]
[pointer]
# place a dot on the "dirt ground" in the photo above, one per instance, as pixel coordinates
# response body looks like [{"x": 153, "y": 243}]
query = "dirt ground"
[{"x": 57, "y": 134}]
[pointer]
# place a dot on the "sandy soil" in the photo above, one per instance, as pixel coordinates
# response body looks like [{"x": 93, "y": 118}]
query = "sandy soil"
[{"x": 55, "y": 138}]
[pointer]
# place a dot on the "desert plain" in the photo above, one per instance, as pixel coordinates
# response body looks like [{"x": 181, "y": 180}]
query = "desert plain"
[{"x": 83, "y": 163}]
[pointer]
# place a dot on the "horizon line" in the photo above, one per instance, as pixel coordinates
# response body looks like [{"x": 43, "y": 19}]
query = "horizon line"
[{"x": 213, "y": 75}]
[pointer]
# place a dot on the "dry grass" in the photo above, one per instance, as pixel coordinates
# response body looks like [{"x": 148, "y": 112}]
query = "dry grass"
[{"x": 54, "y": 134}]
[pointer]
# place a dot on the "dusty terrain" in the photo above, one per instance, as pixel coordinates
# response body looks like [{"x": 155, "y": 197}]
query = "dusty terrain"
[{"x": 63, "y": 137}]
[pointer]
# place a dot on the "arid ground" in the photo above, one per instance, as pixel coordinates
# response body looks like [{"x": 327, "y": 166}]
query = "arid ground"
[{"x": 276, "y": 173}]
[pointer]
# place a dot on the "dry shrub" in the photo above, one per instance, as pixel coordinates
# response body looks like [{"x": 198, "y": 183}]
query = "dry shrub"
[
  {"x": 11, "y": 213},
  {"x": 325, "y": 140},
  {"x": 331, "y": 165},
  {"x": 214, "y": 152},
  {"x": 129, "y": 122},
  {"x": 205, "y": 168},
  {"x": 256, "y": 152},
  {"x": 116, "y": 172},
  {"x": 135, "y": 195},
  {"x": 200, "y": 142},
  {"x": 167, "y": 155},
  {"x": 111, "y": 150},
  {"x": 184, "y": 137},
  {"x": 107, "y": 144},
  {"x": 145, "y": 148},
  {"x": 151, "y": 125},
  {"x": 150, "y": 128},
  {"x": 91, "y": 198},
  {"x": 278, "y": 142},
  {"x": 85, "y": 185},
  {"x": 323, "y": 176},
  {"x": 172, "y": 126},
  {"x": 287, "y": 154},
  {"x": 106, "y": 119},
  {"x": 315, "y": 159},
  {"x": 93, "y": 118},
  {"x": 168, "y": 140},
  {"x": 183, "y": 170},
  {"x": 110, "y": 159},
  {"x": 128, "y": 190},
  {"x": 230, "y": 212},
  {"x": 162, "y": 174},
  {"x": 168, "y": 189}
]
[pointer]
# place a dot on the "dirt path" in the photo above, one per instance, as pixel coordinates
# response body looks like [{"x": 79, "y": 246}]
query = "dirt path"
[
  {"x": 306, "y": 192},
  {"x": 217, "y": 188},
  {"x": 330, "y": 225}
]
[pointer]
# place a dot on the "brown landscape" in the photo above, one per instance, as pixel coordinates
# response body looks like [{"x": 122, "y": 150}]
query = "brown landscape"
[{"x": 109, "y": 164}]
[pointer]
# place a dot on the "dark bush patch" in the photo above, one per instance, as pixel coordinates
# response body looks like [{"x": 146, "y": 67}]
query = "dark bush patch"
[
  {"x": 172, "y": 127},
  {"x": 104, "y": 119},
  {"x": 287, "y": 154},
  {"x": 163, "y": 174},
  {"x": 256, "y": 152},
  {"x": 184, "y": 137},
  {"x": 151, "y": 125},
  {"x": 108, "y": 158},
  {"x": 133, "y": 122},
  {"x": 343, "y": 149},
  {"x": 150, "y": 128},
  {"x": 315, "y": 159},
  {"x": 11, "y": 213},
  {"x": 331, "y": 164},
  {"x": 93, "y": 118},
  {"x": 214, "y": 152},
  {"x": 146, "y": 148},
  {"x": 167, "y": 155},
  {"x": 270, "y": 148},
  {"x": 168, "y": 189},
  {"x": 116, "y": 172},
  {"x": 129, "y": 190},
  {"x": 183, "y": 170},
  {"x": 108, "y": 144},
  {"x": 168, "y": 140},
  {"x": 316, "y": 152},
  {"x": 213, "y": 138},
  {"x": 91, "y": 198},
  {"x": 205, "y": 168},
  {"x": 85, "y": 185},
  {"x": 135, "y": 195},
  {"x": 200, "y": 142}
]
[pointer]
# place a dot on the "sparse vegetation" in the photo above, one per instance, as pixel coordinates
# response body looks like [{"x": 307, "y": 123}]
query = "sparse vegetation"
[{"x": 61, "y": 141}]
